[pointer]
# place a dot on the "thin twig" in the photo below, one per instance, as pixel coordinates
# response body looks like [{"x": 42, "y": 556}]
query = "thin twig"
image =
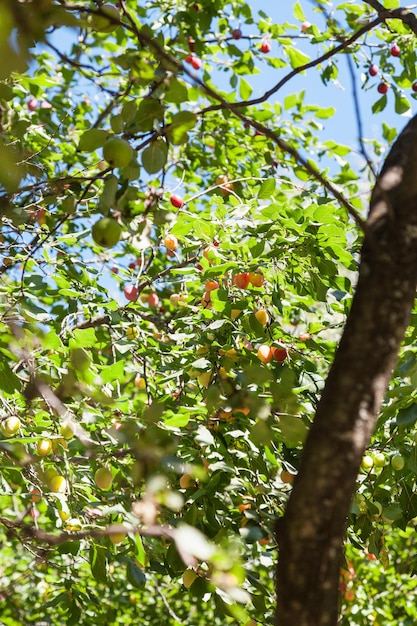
[
  {"x": 358, "y": 116},
  {"x": 168, "y": 608}
]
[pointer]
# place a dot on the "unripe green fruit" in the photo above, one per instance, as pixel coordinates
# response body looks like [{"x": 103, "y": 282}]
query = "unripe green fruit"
[
  {"x": 58, "y": 484},
  {"x": 380, "y": 460},
  {"x": 106, "y": 232},
  {"x": 103, "y": 478},
  {"x": 397, "y": 462},
  {"x": 49, "y": 474},
  {"x": 10, "y": 426},
  {"x": 367, "y": 462},
  {"x": 360, "y": 502},
  {"x": 66, "y": 431},
  {"x": 118, "y": 152}
]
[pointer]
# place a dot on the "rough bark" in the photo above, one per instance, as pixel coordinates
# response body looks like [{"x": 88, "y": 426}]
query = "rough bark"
[{"x": 311, "y": 533}]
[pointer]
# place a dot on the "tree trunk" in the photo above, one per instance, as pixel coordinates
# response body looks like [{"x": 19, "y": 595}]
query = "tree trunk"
[{"x": 311, "y": 533}]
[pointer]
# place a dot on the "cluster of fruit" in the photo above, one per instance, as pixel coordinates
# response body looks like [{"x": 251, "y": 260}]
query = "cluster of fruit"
[
  {"x": 131, "y": 293},
  {"x": 244, "y": 279},
  {"x": 268, "y": 353},
  {"x": 241, "y": 280},
  {"x": 374, "y": 71},
  {"x": 50, "y": 478},
  {"x": 379, "y": 460}
]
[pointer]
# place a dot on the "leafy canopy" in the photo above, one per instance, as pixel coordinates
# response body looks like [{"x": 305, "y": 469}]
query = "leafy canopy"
[{"x": 134, "y": 352}]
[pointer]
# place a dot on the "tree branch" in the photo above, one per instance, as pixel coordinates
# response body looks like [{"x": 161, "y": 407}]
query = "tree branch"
[
  {"x": 402, "y": 14},
  {"x": 55, "y": 539}
]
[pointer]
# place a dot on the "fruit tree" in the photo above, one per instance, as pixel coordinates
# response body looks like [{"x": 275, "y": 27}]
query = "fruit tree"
[{"x": 208, "y": 351}]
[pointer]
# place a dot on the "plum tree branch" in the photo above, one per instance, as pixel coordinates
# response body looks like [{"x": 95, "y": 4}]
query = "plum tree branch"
[
  {"x": 55, "y": 539},
  {"x": 403, "y": 14}
]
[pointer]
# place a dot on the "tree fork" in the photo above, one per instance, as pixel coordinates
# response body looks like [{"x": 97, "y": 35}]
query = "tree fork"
[{"x": 310, "y": 534}]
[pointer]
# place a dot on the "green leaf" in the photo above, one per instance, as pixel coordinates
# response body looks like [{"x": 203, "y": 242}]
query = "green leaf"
[
  {"x": 296, "y": 57},
  {"x": 177, "y": 131},
  {"x": 393, "y": 512},
  {"x": 325, "y": 214},
  {"x": 380, "y": 104},
  {"x": 97, "y": 558},
  {"x": 9, "y": 382},
  {"x": 408, "y": 415},
  {"x": 257, "y": 374},
  {"x": 6, "y": 92},
  {"x": 140, "y": 550},
  {"x": 10, "y": 171},
  {"x": 245, "y": 89},
  {"x": 92, "y": 139},
  {"x": 129, "y": 111},
  {"x": 108, "y": 195},
  {"x": 337, "y": 148},
  {"x": 20, "y": 128},
  {"x": 83, "y": 338},
  {"x": 112, "y": 372},
  {"x": 117, "y": 123},
  {"x": 290, "y": 101},
  {"x": 154, "y": 157},
  {"x": 177, "y": 91},
  {"x": 402, "y": 105},
  {"x": 177, "y": 420},
  {"x": 69, "y": 547},
  {"x": 74, "y": 614},
  {"x": 199, "y": 587},
  {"x": 325, "y": 113},
  {"x": 293, "y": 430},
  {"x": 135, "y": 575},
  {"x": 388, "y": 133},
  {"x": 298, "y": 12},
  {"x": 149, "y": 110},
  {"x": 267, "y": 189}
]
